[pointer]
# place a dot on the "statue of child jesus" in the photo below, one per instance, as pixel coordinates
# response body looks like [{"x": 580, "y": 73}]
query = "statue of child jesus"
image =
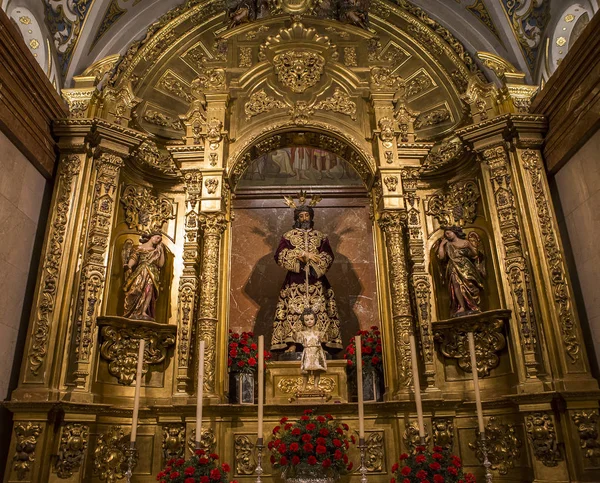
[{"x": 313, "y": 356}]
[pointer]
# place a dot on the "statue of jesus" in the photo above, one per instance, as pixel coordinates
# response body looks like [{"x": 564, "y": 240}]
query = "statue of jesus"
[{"x": 306, "y": 254}]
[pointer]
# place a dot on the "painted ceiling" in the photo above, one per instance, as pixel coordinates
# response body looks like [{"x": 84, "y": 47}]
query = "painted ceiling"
[{"x": 67, "y": 36}]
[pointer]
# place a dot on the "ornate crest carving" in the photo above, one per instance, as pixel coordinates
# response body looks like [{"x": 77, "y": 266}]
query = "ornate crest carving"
[
  {"x": 144, "y": 211},
  {"x": 387, "y": 131},
  {"x": 121, "y": 342},
  {"x": 587, "y": 427},
  {"x": 110, "y": 461},
  {"x": 211, "y": 185},
  {"x": 299, "y": 70},
  {"x": 27, "y": 438},
  {"x": 443, "y": 432},
  {"x": 542, "y": 437},
  {"x": 173, "y": 445},
  {"x": 503, "y": 445},
  {"x": 208, "y": 441},
  {"x": 245, "y": 462},
  {"x": 457, "y": 206},
  {"x": 73, "y": 445},
  {"x": 411, "y": 436},
  {"x": 391, "y": 182}
]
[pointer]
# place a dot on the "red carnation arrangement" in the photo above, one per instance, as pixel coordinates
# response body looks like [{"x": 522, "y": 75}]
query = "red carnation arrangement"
[
  {"x": 370, "y": 347},
  {"x": 423, "y": 466},
  {"x": 313, "y": 444},
  {"x": 243, "y": 352},
  {"x": 202, "y": 467}
]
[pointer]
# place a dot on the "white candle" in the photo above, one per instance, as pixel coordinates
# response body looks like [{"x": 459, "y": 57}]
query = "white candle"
[
  {"x": 199, "y": 393},
  {"x": 138, "y": 386},
  {"x": 359, "y": 383},
  {"x": 476, "y": 382},
  {"x": 417, "y": 386},
  {"x": 261, "y": 383}
]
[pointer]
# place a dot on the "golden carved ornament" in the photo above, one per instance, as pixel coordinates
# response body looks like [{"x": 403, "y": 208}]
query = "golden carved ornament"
[
  {"x": 554, "y": 257},
  {"x": 244, "y": 460},
  {"x": 69, "y": 169},
  {"x": 260, "y": 102},
  {"x": 375, "y": 452},
  {"x": 456, "y": 206},
  {"x": 211, "y": 79},
  {"x": 541, "y": 434},
  {"x": 301, "y": 112},
  {"x": 175, "y": 86},
  {"x": 411, "y": 437},
  {"x": 72, "y": 449},
  {"x": 245, "y": 57},
  {"x": 391, "y": 182},
  {"x": 383, "y": 79},
  {"x": 443, "y": 432},
  {"x": 121, "y": 342},
  {"x": 503, "y": 445},
  {"x": 145, "y": 212},
  {"x": 208, "y": 441},
  {"x": 339, "y": 102},
  {"x": 586, "y": 422},
  {"x": 293, "y": 385},
  {"x": 148, "y": 155},
  {"x": 160, "y": 119},
  {"x": 110, "y": 460},
  {"x": 433, "y": 117},
  {"x": 211, "y": 185},
  {"x": 27, "y": 438},
  {"x": 350, "y": 58},
  {"x": 173, "y": 443},
  {"x": 299, "y": 70},
  {"x": 497, "y": 64},
  {"x": 387, "y": 132}
]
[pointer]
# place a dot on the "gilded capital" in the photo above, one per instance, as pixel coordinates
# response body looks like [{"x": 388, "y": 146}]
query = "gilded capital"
[{"x": 212, "y": 223}]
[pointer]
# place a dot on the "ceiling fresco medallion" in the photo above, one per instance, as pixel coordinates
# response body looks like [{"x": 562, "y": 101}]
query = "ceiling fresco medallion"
[{"x": 299, "y": 70}]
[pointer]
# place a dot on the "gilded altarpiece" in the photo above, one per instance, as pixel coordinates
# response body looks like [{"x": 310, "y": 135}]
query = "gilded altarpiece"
[{"x": 191, "y": 142}]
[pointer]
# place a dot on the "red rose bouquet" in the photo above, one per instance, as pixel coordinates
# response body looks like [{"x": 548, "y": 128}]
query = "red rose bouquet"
[
  {"x": 243, "y": 352},
  {"x": 437, "y": 467},
  {"x": 200, "y": 468},
  {"x": 370, "y": 347},
  {"x": 313, "y": 445}
]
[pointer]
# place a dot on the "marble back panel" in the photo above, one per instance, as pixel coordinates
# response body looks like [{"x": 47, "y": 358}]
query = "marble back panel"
[{"x": 256, "y": 279}]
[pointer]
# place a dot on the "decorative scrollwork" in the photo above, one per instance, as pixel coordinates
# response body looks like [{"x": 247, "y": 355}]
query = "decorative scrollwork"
[
  {"x": 587, "y": 428},
  {"x": 411, "y": 436},
  {"x": 375, "y": 452},
  {"x": 456, "y": 206},
  {"x": 173, "y": 444},
  {"x": 110, "y": 460},
  {"x": 144, "y": 211},
  {"x": 487, "y": 328},
  {"x": 210, "y": 80},
  {"x": 443, "y": 432},
  {"x": 503, "y": 445},
  {"x": 260, "y": 102},
  {"x": 292, "y": 385},
  {"x": 73, "y": 445},
  {"x": 387, "y": 131},
  {"x": 339, "y": 102},
  {"x": 27, "y": 438},
  {"x": 391, "y": 182},
  {"x": 121, "y": 342},
  {"x": 299, "y": 70},
  {"x": 542, "y": 437},
  {"x": 208, "y": 441},
  {"x": 211, "y": 185},
  {"x": 245, "y": 463}
]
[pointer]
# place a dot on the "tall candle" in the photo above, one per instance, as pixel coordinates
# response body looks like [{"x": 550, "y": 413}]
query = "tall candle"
[
  {"x": 417, "y": 386},
  {"x": 476, "y": 382},
  {"x": 199, "y": 393},
  {"x": 359, "y": 383},
  {"x": 138, "y": 387},
  {"x": 261, "y": 384}
]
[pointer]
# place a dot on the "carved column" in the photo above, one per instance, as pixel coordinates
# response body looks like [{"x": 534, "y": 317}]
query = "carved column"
[
  {"x": 213, "y": 225},
  {"x": 188, "y": 284},
  {"x": 392, "y": 223}
]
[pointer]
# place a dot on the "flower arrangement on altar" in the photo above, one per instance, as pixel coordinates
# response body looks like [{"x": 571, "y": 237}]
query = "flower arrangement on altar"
[
  {"x": 243, "y": 352},
  {"x": 370, "y": 350},
  {"x": 313, "y": 444},
  {"x": 439, "y": 466},
  {"x": 202, "y": 467}
]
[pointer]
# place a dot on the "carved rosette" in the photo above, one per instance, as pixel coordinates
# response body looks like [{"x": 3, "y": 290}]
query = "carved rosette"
[
  {"x": 208, "y": 441},
  {"x": 120, "y": 345},
  {"x": 145, "y": 212},
  {"x": 586, "y": 422},
  {"x": 27, "y": 439},
  {"x": 173, "y": 444},
  {"x": 503, "y": 445},
  {"x": 187, "y": 299},
  {"x": 541, "y": 434},
  {"x": 487, "y": 329},
  {"x": 553, "y": 254},
  {"x": 110, "y": 460},
  {"x": 411, "y": 437},
  {"x": 516, "y": 265},
  {"x": 443, "y": 432},
  {"x": 46, "y": 299},
  {"x": 72, "y": 449},
  {"x": 244, "y": 459},
  {"x": 212, "y": 226},
  {"x": 93, "y": 273},
  {"x": 392, "y": 223}
]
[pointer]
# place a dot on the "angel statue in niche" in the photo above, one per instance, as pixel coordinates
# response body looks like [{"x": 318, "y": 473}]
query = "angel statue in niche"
[
  {"x": 463, "y": 269},
  {"x": 313, "y": 356},
  {"x": 142, "y": 265}
]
